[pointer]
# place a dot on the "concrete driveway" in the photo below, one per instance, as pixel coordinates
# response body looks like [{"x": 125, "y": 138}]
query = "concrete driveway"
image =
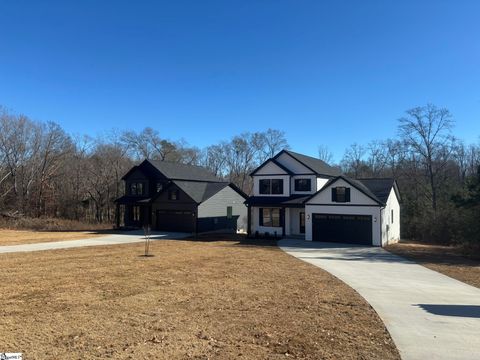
[
  {"x": 114, "y": 239},
  {"x": 429, "y": 315}
]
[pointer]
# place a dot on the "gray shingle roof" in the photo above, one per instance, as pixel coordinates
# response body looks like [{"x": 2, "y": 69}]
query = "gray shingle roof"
[
  {"x": 318, "y": 166},
  {"x": 200, "y": 191},
  {"x": 277, "y": 200},
  {"x": 376, "y": 191},
  {"x": 175, "y": 171},
  {"x": 379, "y": 187}
]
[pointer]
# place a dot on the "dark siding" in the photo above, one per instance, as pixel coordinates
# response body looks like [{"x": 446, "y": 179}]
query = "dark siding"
[
  {"x": 162, "y": 202},
  {"x": 217, "y": 223},
  {"x": 137, "y": 176}
]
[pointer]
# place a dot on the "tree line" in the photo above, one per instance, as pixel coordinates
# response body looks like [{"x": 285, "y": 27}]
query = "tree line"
[
  {"x": 45, "y": 172},
  {"x": 438, "y": 175}
]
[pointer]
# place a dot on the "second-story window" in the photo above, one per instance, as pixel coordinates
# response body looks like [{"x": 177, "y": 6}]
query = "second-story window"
[
  {"x": 136, "y": 188},
  {"x": 271, "y": 186},
  {"x": 303, "y": 184},
  {"x": 341, "y": 194},
  {"x": 173, "y": 195}
]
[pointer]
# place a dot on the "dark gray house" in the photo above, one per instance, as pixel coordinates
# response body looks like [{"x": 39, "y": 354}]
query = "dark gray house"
[{"x": 177, "y": 197}]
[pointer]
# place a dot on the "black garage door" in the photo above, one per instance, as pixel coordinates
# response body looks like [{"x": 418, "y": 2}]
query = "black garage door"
[
  {"x": 352, "y": 229},
  {"x": 172, "y": 220}
]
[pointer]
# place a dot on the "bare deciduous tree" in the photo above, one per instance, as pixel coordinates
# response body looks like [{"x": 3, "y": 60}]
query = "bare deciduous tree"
[
  {"x": 352, "y": 161},
  {"x": 427, "y": 131},
  {"x": 325, "y": 154}
]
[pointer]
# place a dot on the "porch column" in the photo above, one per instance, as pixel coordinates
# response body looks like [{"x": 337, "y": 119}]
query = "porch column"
[
  {"x": 249, "y": 220},
  {"x": 287, "y": 215},
  {"x": 282, "y": 217},
  {"x": 117, "y": 215}
]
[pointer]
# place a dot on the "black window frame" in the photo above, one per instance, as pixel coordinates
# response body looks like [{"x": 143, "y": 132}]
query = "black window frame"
[
  {"x": 229, "y": 212},
  {"x": 391, "y": 216},
  {"x": 267, "y": 186},
  {"x": 341, "y": 198},
  {"x": 137, "y": 188},
  {"x": 267, "y": 213},
  {"x": 297, "y": 183},
  {"x": 173, "y": 194},
  {"x": 264, "y": 186}
]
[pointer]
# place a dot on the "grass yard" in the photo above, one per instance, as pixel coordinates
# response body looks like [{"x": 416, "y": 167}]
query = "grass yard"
[
  {"x": 444, "y": 259},
  {"x": 17, "y": 237},
  {"x": 218, "y": 299}
]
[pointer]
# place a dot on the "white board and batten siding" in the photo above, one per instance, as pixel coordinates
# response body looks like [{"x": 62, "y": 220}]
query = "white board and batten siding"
[
  {"x": 270, "y": 168},
  {"x": 391, "y": 221},
  {"x": 359, "y": 204},
  {"x": 218, "y": 203}
]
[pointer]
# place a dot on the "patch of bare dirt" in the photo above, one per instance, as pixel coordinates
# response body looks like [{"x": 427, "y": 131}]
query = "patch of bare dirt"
[
  {"x": 447, "y": 260},
  {"x": 192, "y": 300}
]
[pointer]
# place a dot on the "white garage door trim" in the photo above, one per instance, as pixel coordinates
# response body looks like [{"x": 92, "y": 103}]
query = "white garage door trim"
[{"x": 373, "y": 211}]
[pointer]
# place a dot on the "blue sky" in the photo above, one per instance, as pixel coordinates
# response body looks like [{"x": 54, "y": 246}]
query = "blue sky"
[{"x": 325, "y": 72}]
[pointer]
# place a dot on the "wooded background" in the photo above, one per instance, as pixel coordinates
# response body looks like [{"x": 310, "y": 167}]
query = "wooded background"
[{"x": 45, "y": 172}]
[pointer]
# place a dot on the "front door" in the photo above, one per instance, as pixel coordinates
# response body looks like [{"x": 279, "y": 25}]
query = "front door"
[{"x": 302, "y": 223}]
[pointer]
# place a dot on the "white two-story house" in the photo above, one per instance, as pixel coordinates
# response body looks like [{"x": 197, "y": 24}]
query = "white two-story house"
[{"x": 298, "y": 195}]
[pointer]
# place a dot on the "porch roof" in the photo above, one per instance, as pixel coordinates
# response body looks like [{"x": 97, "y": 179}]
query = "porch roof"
[
  {"x": 132, "y": 200},
  {"x": 283, "y": 201}
]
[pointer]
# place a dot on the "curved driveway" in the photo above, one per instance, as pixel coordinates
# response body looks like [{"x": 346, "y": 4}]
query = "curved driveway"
[
  {"x": 429, "y": 315},
  {"x": 114, "y": 239}
]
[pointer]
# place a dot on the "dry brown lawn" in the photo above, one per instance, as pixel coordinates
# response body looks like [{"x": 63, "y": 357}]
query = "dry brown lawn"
[
  {"x": 444, "y": 259},
  {"x": 220, "y": 299},
  {"x": 17, "y": 237}
]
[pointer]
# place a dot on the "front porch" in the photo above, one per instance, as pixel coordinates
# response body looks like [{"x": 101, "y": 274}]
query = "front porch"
[
  {"x": 277, "y": 221},
  {"x": 133, "y": 212}
]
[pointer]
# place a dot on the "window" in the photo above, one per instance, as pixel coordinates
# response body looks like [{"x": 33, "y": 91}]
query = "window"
[
  {"x": 159, "y": 187},
  {"x": 136, "y": 213},
  {"x": 173, "y": 195},
  {"x": 341, "y": 194},
  {"x": 229, "y": 212},
  {"x": 136, "y": 188},
  {"x": 303, "y": 184},
  {"x": 264, "y": 186},
  {"x": 391, "y": 217},
  {"x": 270, "y": 217},
  {"x": 277, "y": 186},
  {"x": 271, "y": 186}
]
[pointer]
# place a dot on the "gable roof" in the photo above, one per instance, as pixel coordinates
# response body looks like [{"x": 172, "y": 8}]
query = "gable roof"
[
  {"x": 381, "y": 187},
  {"x": 200, "y": 191},
  {"x": 272, "y": 160},
  {"x": 176, "y": 171},
  {"x": 356, "y": 184},
  {"x": 318, "y": 166}
]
